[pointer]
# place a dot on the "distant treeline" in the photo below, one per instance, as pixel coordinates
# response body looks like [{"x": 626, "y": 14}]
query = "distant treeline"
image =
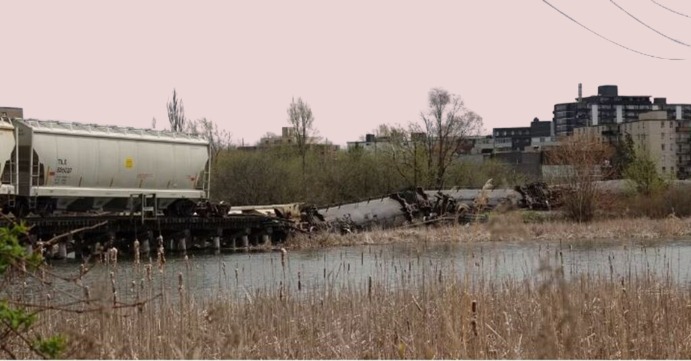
[{"x": 274, "y": 175}]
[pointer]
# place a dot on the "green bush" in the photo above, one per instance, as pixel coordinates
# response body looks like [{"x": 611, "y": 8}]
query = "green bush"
[{"x": 16, "y": 321}]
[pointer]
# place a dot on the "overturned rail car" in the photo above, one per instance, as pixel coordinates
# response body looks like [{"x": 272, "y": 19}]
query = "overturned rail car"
[{"x": 425, "y": 206}]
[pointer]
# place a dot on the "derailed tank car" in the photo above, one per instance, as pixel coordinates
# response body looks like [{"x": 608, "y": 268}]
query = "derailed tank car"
[
  {"x": 72, "y": 167},
  {"x": 385, "y": 212}
]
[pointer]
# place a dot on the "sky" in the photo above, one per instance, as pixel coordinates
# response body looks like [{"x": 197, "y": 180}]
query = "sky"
[{"x": 358, "y": 64}]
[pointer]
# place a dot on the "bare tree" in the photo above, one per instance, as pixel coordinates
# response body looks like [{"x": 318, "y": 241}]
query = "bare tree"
[
  {"x": 406, "y": 151},
  {"x": 579, "y": 161},
  {"x": 176, "y": 114},
  {"x": 219, "y": 139},
  {"x": 447, "y": 123},
  {"x": 301, "y": 119}
]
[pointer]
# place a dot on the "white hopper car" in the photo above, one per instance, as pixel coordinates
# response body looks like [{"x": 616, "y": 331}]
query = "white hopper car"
[
  {"x": 8, "y": 171},
  {"x": 71, "y": 167}
]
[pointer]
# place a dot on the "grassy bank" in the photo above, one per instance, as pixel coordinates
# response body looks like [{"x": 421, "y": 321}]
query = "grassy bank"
[
  {"x": 444, "y": 316},
  {"x": 513, "y": 226}
]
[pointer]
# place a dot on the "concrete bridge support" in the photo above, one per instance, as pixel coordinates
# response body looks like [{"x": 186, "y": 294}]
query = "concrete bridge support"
[
  {"x": 182, "y": 241},
  {"x": 62, "y": 247},
  {"x": 146, "y": 244},
  {"x": 217, "y": 240},
  {"x": 245, "y": 240}
]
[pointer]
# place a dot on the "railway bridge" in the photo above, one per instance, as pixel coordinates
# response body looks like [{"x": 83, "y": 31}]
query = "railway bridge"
[{"x": 86, "y": 235}]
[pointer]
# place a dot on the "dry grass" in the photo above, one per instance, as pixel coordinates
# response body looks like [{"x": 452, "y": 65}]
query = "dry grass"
[
  {"x": 423, "y": 313},
  {"x": 511, "y": 226},
  {"x": 442, "y": 316}
]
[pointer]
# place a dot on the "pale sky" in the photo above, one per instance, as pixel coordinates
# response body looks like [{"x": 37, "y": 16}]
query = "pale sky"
[{"x": 356, "y": 63}]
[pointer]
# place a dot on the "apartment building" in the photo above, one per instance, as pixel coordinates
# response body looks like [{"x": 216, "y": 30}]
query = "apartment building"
[
  {"x": 607, "y": 107},
  {"x": 538, "y": 134},
  {"x": 654, "y": 132}
]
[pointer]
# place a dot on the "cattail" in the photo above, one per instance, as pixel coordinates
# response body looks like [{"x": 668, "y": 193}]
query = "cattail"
[
  {"x": 237, "y": 279},
  {"x": 113, "y": 253},
  {"x": 148, "y": 272},
  {"x": 280, "y": 290},
  {"x": 87, "y": 294},
  {"x": 112, "y": 283},
  {"x": 473, "y": 321},
  {"x": 299, "y": 282},
  {"x": 369, "y": 288},
  {"x": 283, "y": 257},
  {"x": 180, "y": 282},
  {"x": 160, "y": 256}
]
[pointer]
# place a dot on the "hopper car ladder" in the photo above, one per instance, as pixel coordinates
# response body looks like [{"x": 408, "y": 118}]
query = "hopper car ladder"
[{"x": 147, "y": 207}]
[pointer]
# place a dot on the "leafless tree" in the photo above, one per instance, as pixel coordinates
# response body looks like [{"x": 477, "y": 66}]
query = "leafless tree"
[
  {"x": 219, "y": 139},
  {"x": 580, "y": 162},
  {"x": 406, "y": 152},
  {"x": 301, "y": 119},
  {"x": 447, "y": 123},
  {"x": 176, "y": 114}
]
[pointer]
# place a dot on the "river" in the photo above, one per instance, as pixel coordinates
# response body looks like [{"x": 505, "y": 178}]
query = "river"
[{"x": 394, "y": 265}]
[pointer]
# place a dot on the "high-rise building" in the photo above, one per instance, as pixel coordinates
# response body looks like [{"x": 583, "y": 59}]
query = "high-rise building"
[{"x": 607, "y": 107}]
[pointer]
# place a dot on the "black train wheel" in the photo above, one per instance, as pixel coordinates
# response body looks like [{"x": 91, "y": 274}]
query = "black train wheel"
[{"x": 181, "y": 208}]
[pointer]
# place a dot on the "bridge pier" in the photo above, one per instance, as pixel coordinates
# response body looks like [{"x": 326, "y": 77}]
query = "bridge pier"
[
  {"x": 182, "y": 242},
  {"x": 62, "y": 250},
  {"x": 266, "y": 237},
  {"x": 245, "y": 239},
  {"x": 217, "y": 240},
  {"x": 62, "y": 247},
  {"x": 146, "y": 244}
]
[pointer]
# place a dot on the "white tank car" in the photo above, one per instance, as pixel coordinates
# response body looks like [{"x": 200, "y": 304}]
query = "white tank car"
[
  {"x": 8, "y": 163},
  {"x": 81, "y": 167}
]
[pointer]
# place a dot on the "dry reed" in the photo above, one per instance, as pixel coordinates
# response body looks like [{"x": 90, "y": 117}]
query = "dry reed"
[
  {"x": 425, "y": 313},
  {"x": 510, "y": 226}
]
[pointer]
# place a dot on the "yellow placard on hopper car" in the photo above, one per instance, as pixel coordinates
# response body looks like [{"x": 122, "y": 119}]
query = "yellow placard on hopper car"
[{"x": 129, "y": 163}]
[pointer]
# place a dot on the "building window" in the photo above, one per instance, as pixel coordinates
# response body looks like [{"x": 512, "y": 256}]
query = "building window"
[{"x": 663, "y": 146}]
